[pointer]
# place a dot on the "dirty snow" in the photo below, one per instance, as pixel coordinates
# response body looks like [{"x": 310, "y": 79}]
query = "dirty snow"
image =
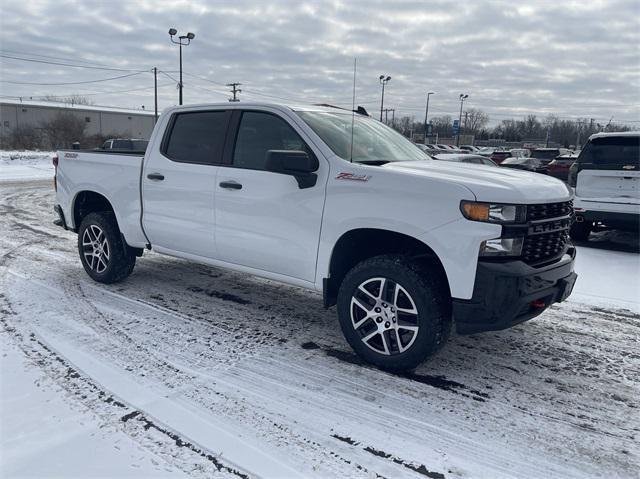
[
  {"x": 219, "y": 374},
  {"x": 25, "y": 165}
]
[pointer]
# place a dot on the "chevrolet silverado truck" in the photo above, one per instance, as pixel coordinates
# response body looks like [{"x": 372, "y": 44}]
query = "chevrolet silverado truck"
[{"x": 333, "y": 201}]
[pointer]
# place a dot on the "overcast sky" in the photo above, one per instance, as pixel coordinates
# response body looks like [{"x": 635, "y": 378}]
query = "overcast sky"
[{"x": 570, "y": 58}]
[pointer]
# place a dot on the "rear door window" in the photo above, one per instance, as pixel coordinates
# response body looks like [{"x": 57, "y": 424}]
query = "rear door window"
[{"x": 197, "y": 137}]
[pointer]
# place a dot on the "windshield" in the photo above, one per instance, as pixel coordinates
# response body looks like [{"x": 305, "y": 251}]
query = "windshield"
[{"x": 373, "y": 142}]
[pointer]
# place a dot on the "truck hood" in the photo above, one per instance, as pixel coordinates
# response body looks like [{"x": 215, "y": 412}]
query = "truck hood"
[{"x": 489, "y": 183}]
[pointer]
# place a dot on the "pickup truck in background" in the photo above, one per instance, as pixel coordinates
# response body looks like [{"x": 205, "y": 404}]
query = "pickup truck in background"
[
  {"x": 332, "y": 201},
  {"x": 606, "y": 178}
]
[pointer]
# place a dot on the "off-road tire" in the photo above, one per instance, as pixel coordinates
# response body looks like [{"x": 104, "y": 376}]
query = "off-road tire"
[
  {"x": 122, "y": 258},
  {"x": 428, "y": 289}
]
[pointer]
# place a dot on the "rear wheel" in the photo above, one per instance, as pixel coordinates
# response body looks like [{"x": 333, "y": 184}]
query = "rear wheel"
[
  {"x": 394, "y": 313},
  {"x": 580, "y": 231},
  {"x": 104, "y": 256}
]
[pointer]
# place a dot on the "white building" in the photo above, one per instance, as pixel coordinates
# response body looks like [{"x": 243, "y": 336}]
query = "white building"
[{"x": 106, "y": 121}]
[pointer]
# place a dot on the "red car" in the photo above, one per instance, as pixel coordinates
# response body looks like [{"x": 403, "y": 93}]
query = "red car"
[
  {"x": 499, "y": 156},
  {"x": 559, "y": 167}
]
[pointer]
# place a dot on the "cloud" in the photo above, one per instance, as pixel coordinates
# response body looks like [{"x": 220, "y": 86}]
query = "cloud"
[{"x": 567, "y": 58}]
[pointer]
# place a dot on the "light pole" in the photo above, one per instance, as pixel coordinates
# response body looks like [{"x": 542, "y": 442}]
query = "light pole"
[
  {"x": 463, "y": 97},
  {"x": 183, "y": 40},
  {"x": 383, "y": 81},
  {"x": 426, "y": 113}
]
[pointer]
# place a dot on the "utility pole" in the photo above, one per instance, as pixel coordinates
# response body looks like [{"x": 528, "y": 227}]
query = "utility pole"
[
  {"x": 235, "y": 90},
  {"x": 426, "y": 113},
  {"x": 466, "y": 114},
  {"x": 386, "y": 115},
  {"x": 155, "y": 94}
]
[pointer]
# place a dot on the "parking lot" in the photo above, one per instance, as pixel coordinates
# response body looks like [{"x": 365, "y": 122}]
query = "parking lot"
[{"x": 210, "y": 372}]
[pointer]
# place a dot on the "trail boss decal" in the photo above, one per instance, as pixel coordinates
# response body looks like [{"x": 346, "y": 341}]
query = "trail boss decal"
[
  {"x": 352, "y": 177},
  {"x": 71, "y": 155}
]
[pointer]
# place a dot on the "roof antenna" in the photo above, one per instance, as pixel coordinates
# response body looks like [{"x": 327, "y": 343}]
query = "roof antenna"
[{"x": 353, "y": 108}]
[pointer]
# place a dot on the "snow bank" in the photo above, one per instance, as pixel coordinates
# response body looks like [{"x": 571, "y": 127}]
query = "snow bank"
[{"x": 25, "y": 165}]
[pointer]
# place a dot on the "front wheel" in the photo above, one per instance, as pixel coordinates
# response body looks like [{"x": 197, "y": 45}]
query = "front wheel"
[
  {"x": 104, "y": 256},
  {"x": 393, "y": 312}
]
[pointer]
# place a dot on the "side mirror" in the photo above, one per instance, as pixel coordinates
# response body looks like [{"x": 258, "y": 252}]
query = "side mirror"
[{"x": 295, "y": 163}]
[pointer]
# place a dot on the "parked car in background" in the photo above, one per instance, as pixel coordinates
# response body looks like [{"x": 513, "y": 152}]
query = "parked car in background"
[
  {"x": 606, "y": 178},
  {"x": 498, "y": 156},
  {"x": 122, "y": 144},
  {"x": 547, "y": 155},
  {"x": 470, "y": 148},
  {"x": 559, "y": 168},
  {"x": 527, "y": 164},
  {"x": 429, "y": 149},
  {"x": 520, "y": 153},
  {"x": 466, "y": 158},
  {"x": 486, "y": 151}
]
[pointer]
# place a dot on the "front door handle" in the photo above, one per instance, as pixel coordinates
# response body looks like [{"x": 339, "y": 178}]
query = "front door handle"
[
  {"x": 155, "y": 176},
  {"x": 231, "y": 185}
]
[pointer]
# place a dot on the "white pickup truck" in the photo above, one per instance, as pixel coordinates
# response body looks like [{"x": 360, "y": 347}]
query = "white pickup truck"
[{"x": 333, "y": 201}]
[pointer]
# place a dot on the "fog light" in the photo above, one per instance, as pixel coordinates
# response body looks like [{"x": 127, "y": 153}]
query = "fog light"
[{"x": 501, "y": 247}]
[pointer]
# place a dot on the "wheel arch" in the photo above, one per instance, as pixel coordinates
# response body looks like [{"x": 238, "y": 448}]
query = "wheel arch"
[
  {"x": 359, "y": 244},
  {"x": 86, "y": 202}
]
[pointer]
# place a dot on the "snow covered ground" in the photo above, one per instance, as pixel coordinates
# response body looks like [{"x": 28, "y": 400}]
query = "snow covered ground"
[
  {"x": 25, "y": 165},
  {"x": 189, "y": 370}
]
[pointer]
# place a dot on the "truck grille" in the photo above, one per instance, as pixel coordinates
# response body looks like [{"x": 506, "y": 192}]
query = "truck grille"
[
  {"x": 549, "y": 210},
  {"x": 544, "y": 247}
]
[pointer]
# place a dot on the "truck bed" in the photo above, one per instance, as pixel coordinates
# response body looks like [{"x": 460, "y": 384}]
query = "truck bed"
[{"x": 115, "y": 175}]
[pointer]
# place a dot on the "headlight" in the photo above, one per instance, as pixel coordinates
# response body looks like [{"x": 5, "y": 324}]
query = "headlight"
[
  {"x": 501, "y": 247},
  {"x": 493, "y": 213}
]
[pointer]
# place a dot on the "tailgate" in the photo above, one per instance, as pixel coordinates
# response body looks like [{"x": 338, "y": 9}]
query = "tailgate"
[{"x": 610, "y": 186}]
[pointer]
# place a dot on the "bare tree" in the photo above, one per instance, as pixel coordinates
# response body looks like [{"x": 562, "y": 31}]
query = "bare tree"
[
  {"x": 63, "y": 130},
  {"x": 475, "y": 120},
  {"x": 74, "y": 99},
  {"x": 23, "y": 137}
]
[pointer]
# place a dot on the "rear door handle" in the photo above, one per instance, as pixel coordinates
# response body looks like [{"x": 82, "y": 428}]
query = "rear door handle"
[
  {"x": 231, "y": 185},
  {"x": 155, "y": 176}
]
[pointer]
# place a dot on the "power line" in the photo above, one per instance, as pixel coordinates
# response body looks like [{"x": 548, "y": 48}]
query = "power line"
[
  {"x": 72, "y": 83},
  {"x": 69, "y": 64},
  {"x": 66, "y": 59}
]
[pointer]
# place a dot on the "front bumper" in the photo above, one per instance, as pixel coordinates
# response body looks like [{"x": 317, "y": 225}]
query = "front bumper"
[{"x": 508, "y": 293}]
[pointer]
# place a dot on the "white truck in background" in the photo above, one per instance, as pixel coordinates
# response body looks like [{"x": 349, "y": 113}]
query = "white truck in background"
[{"x": 333, "y": 201}]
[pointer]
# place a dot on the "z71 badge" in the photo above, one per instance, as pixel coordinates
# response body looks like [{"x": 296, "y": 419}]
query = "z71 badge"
[{"x": 352, "y": 177}]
